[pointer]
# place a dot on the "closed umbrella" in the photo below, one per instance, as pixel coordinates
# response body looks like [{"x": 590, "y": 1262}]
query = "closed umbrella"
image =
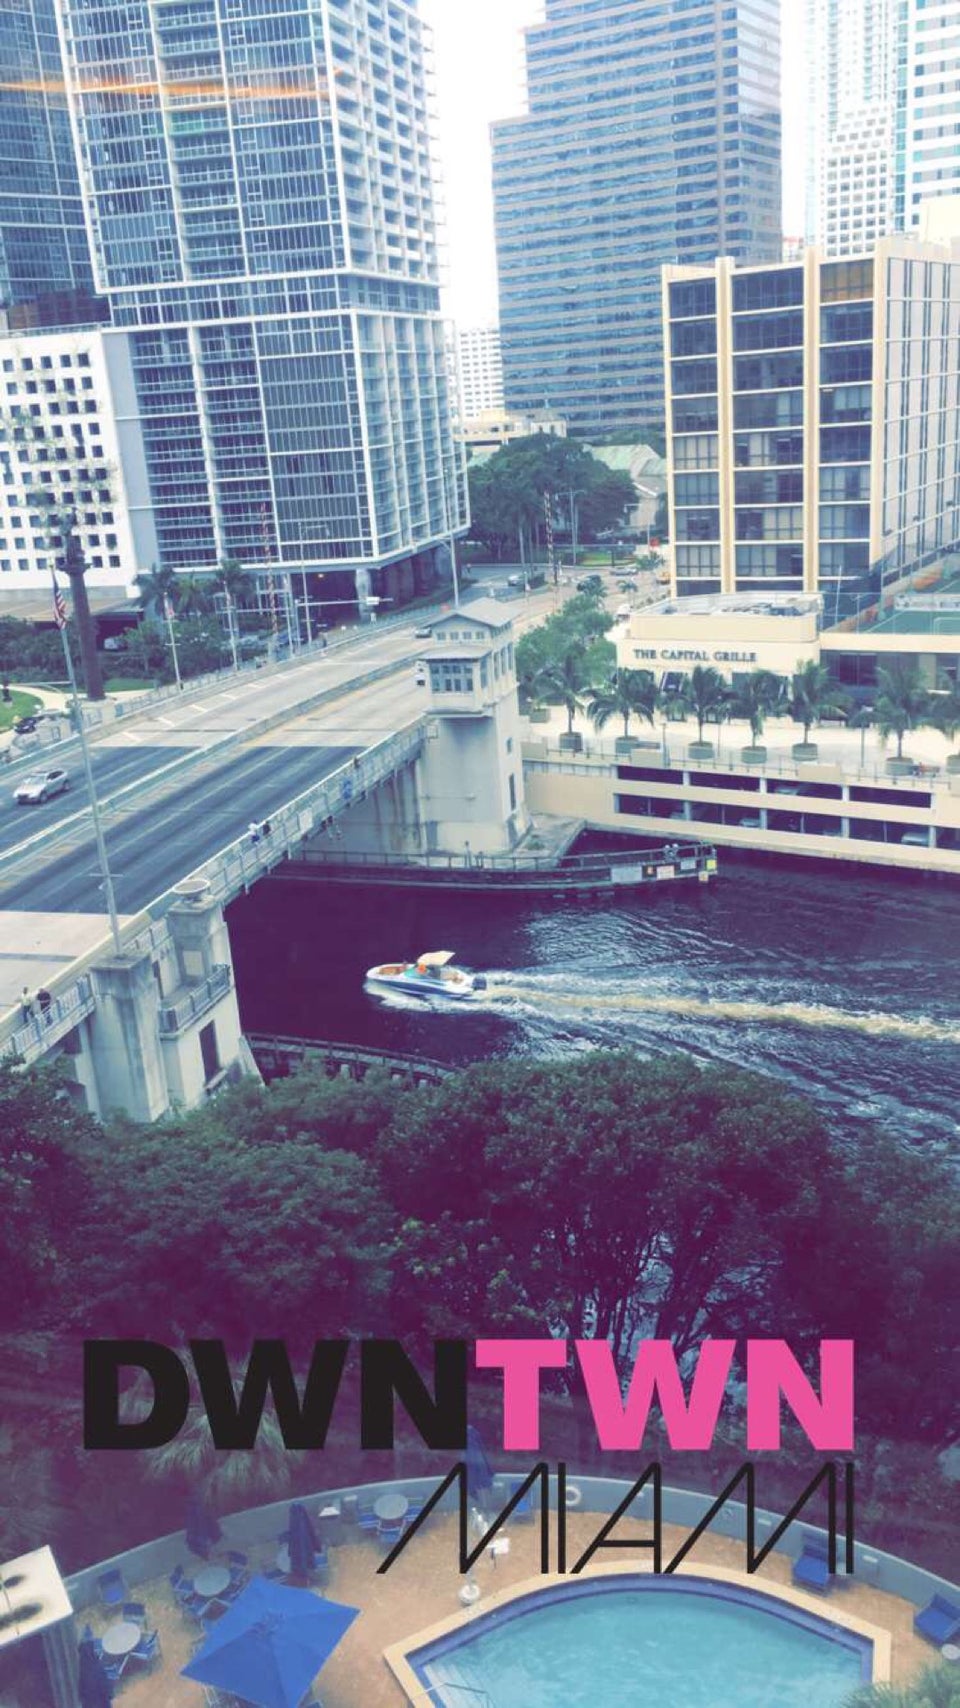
[
  {"x": 270, "y": 1644},
  {"x": 303, "y": 1545},
  {"x": 93, "y": 1686},
  {"x": 202, "y": 1530},
  {"x": 479, "y": 1474}
]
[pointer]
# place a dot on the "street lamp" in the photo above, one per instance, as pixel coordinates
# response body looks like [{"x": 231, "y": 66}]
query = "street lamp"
[{"x": 574, "y": 492}]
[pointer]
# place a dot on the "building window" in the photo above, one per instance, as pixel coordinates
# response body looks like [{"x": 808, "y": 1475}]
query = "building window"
[{"x": 209, "y": 1052}]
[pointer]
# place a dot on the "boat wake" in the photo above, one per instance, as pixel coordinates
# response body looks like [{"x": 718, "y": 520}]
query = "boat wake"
[{"x": 552, "y": 992}]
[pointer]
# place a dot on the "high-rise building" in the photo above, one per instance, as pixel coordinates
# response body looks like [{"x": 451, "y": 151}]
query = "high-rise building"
[
  {"x": 481, "y": 370},
  {"x": 883, "y": 119},
  {"x": 43, "y": 241},
  {"x": 813, "y": 421},
  {"x": 259, "y": 189},
  {"x": 928, "y": 106},
  {"x": 652, "y": 136}
]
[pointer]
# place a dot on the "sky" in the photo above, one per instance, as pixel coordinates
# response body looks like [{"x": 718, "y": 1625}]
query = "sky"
[{"x": 478, "y": 55}]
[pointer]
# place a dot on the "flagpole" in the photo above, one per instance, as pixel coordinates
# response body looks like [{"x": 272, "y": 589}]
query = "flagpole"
[
  {"x": 168, "y": 613},
  {"x": 88, "y": 771}
]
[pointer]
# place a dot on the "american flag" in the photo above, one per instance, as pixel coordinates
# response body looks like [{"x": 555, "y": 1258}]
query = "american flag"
[
  {"x": 168, "y": 608},
  {"x": 59, "y": 606}
]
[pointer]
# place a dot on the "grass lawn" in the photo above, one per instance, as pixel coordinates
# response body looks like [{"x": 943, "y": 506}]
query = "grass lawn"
[
  {"x": 126, "y": 684},
  {"x": 19, "y": 705}
]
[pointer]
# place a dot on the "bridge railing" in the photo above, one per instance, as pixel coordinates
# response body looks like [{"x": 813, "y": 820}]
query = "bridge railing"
[
  {"x": 175, "y": 1016},
  {"x": 48, "y": 1024}
]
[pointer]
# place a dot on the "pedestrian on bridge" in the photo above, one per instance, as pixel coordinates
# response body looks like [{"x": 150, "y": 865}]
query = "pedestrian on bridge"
[
  {"x": 253, "y": 830},
  {"x": 26, "y": 1004}
]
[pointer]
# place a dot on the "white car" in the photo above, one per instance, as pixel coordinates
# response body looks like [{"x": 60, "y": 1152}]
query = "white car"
[
  {"x": 623, "y": 612},
  {"x": 39, "y": 786}
]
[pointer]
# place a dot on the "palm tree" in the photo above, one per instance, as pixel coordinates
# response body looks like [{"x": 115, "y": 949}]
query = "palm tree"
[
  {"x": 903, "y": 703},
  {"x": 194, "y": 596},
  {"x": 225, "y": 1480},
  {"x": 861, "y": 718},
  {"x": 563, "y": 682},
  {"x": 630, "y": 693},
  {"x": 946, "y": 717},
  {"x": 937, "y": 1686},
  {"x": 704, "y": 695},
  {"x": 155, "y": 587},
  {"x": 757, "y": 697},
  {"x": 813, "y": 695}
]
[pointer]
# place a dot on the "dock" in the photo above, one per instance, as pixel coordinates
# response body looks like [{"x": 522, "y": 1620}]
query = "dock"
[{"x": 571, "y": 876}]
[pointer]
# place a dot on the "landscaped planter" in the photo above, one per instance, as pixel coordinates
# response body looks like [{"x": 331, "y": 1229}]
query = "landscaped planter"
[
  {"x": 700, "y": 750},
  {"x": 900, "y": 767},
  {"x": 753, "y": 755},
  {"x": 571, "y": 743},
  {"x": 624, "y": 746},
  {"x": 953, "y": 764},
  {"x": 539, "y": 714},
  {"x": 805, "y": 751}
]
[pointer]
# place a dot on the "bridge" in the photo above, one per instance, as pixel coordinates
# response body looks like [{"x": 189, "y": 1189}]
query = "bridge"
[{"x": 355, "y": 737}]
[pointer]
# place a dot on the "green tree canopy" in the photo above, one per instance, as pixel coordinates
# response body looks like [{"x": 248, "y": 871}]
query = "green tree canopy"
[
  {"x": 903, "y": 703},
  {"x": 813, "y": 695},
  {"x": 629, "y": 693},
  {"x": 507, "y": 490}
]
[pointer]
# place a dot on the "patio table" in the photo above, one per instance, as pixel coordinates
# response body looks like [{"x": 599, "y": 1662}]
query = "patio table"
[
  {"x": 211, "y": 1582},
  {"x": 391, "y": 1507},
  {"x": 120, "y": 1639}
]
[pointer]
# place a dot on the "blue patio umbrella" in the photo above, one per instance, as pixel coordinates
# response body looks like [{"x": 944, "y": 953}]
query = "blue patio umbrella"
[
  {"x": 303, "y": 1544},
  {"x": 93, "y": 1686},
  {"x": 269, "y": 1645},
  {"x": 479, "y": 1474},
  {"x": 202, "y": 1529}
]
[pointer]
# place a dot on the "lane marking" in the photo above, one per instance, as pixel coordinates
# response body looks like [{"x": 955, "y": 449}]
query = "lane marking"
[
  {"x": 131, "y": 737},
  {"x": 168, "y": 721},
  {"x": 196, "y": 706}
]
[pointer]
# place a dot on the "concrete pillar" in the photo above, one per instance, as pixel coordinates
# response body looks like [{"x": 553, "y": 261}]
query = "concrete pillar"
[
  {"x": 125, "y": 1039},
  {"x": 200, "y": 937},
  {"x": 60, "y": 1650}
]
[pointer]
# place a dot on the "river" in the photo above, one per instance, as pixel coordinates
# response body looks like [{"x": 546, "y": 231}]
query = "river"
[{"x": 844, "y": 984}]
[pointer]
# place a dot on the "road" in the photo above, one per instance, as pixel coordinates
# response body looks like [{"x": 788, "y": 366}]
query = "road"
[{"x": 158, "y": 843}]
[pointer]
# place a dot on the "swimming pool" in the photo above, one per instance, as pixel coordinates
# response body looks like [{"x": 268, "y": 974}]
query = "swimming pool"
[{"x": 616, "y": 1642}]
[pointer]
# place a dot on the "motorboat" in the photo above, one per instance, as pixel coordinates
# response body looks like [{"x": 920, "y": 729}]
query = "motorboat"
[{"x": 431, "y": 974}]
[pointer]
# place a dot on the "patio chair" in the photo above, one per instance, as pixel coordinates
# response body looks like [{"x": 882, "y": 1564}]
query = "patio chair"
[
  {"x": 390, "y": 1531},
  {"x": 134, "y": 1610},
  {"x": 111, "y": 1588},
  {"x": 524, "y": 1507},
  {"x": 148, "y": 1648},
  {"x": 113, "y": 1665},
  {"x": 367, "y": 1520},
  {"x": 812, "y": 1569},
  {"x": 237, "y": 1559},
  {"x": 939, "y": 1621}
]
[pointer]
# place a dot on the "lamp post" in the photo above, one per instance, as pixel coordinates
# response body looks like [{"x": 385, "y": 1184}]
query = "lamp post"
[{"x": 60, "y": 612}]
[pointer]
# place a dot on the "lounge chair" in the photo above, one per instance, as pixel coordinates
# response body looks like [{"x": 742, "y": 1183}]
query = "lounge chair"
[
  {"x": 812, "y": 1569},
  {"x": 111, "y": 1588},
  {"x": 237, "y": 1559},
  {"x": 113, "y": 1665},
  {"x": 524, "y": 1507},
  {"x": 939, "y": 1621}
]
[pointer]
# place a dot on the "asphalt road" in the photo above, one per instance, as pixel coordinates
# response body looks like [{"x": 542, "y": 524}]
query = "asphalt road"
[
  {"x": 153, "y": 848},
  {"x": 112, "y": 767}
]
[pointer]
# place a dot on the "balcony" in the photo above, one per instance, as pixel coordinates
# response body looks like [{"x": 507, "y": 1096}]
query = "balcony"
[{"x": 177, "y": 1016}]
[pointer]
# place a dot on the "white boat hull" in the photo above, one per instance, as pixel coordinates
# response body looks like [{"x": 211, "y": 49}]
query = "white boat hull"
[{"x": 453, "y": 984}]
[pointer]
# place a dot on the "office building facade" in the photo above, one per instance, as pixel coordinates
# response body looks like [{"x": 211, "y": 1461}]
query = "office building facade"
[
  {"x": 258, "y": 185},
  {"x": 813, "y": 421},
  {"x": 652, "y": 136},
  {"x": 927, "y": 141},
  {"x": 44, "y": 254},
  {"x": 480, "y": 370}
]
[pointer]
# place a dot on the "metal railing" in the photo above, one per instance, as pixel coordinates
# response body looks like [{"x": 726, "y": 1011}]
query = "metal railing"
[
  {"x": 176, "y": 1016},
  {"x": 48, "y": 1023},
  {"x": 569, "y": 866},
  {"x": 657, "y": 756},
  {"x": 272, "y": 1053}
]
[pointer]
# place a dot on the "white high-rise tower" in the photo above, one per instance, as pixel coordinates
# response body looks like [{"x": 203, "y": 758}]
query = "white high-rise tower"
[{"x": 852, "y": 102}]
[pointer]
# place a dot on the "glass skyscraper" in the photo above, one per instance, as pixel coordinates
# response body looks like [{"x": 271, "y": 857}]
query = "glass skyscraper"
[
  {"x": 43, "y": 240},
  {"x": 652, "y": 136},
  {"x": 259, "y": 187}
]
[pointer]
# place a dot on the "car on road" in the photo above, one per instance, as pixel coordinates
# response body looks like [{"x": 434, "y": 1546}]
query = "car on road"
[
  {"x": 514, "y": 580},
  {"x": 424, "y": 632},
  {"x": 590, "y": 584},
  {"x": 27, "y": 725},
  {"x": 39, "y": 786}
]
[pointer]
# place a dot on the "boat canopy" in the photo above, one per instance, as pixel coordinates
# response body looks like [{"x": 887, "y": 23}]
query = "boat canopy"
[{"x": 435, "y": 958}]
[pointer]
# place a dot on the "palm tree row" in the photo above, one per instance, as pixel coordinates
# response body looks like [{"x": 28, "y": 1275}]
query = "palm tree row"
[{"x": 902, "y": 703}]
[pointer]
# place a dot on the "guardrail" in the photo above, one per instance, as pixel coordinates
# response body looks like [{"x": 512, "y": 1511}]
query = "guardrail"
[
  {"x": 662, "y": 756},
  {"x": 48, "y": 1023},
  {"x": 276, "y": 1056},
  {"x": 174, "y": 1017}
]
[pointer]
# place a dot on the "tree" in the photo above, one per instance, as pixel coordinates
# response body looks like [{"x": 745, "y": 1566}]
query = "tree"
[
  {"x": 630, "y": 693},
  {"x": 225, "y": 1481},
  {"x": 813, "y": 695},
  {"x": 703, "y": 695},
  {"x": 946, "y": 712},
  {"x": 757, "y": 697},
  {"x": 937, "y": 1686},
  {"x": 155, "y": 587},
  {"x": 57, "y": 477},
  {"x": 509, "y": 491},
  {"x": 903, "y": 704},
  {"x": 194, "y": 595},
  {"x": 564, "y": 681}
]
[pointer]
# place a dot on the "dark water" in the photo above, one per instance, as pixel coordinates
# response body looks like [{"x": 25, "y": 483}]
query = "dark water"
[{"x": 843, "y": 984}]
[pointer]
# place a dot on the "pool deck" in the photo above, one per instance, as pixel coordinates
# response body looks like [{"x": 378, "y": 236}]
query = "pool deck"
[{"x": 421, "y": 1590}]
